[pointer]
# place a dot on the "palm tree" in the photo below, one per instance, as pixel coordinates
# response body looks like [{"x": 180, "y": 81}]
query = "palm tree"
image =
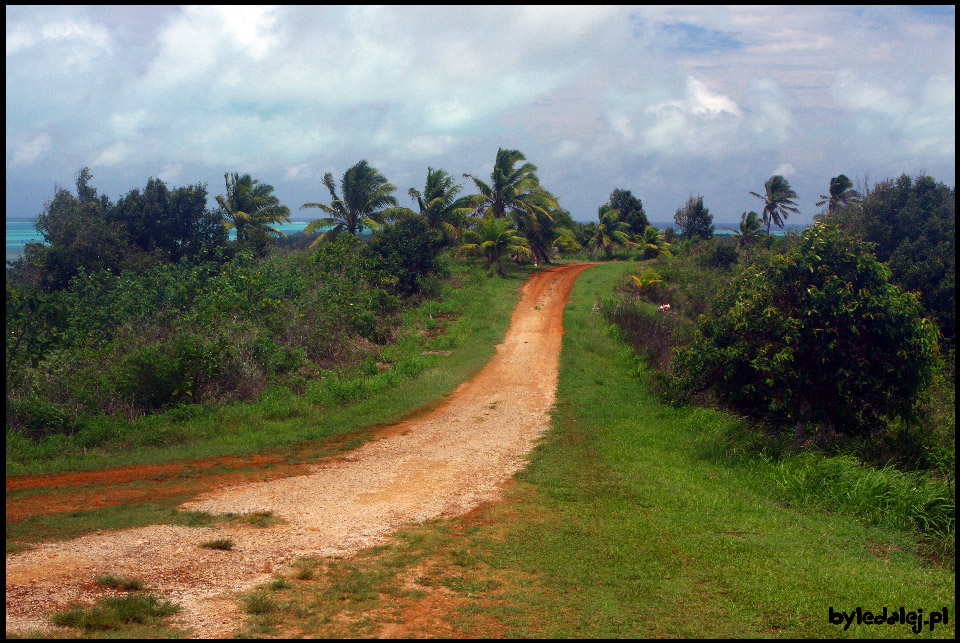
[
  {"x": 516, "y": 192},
  {"x": 777, "y": 201},
  {"x": 494, "y": 238},
  {"x": 751, "y": 229},
  {"x": 653, "y": 243},
  {"x": 841, "y": 194},
  {"x": 610, "y": 231},
  {"x": 250, "y": 207},
  {"x": 439, "y": 204},
  {"x": 646, "y": 279},
  {"x": 366, "y": 195}
]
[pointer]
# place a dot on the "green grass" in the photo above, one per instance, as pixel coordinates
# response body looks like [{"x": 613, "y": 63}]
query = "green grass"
[
  {"x": 116, "y": 613},
  {"x": 626, "y": 525},
  {"x": 475, "y": 312},
  {"x": 119, "y": 583},
  {"x": 76, "y": 523},
  {"x": 223, "y": 544}
]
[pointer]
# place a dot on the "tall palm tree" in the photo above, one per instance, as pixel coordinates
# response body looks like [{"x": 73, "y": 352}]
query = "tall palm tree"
[
  {"x": 439, "y": 204},
  {"x": 492, "y": 239},
  {"x": 841, "y": 194},
  {"x": 611, "y": 231},
  {"x": 516, "y": 192},
  {"x": 777, "y": 201},
  {"x": 366, "y": 195},
  {"x": 250, "y": 206}
]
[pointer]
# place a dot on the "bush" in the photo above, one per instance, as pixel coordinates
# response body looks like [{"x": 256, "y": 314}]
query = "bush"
[
  {"x": 912, "y": 223},
  {"x": 407, "y": 252},
  {"x": 651, "y": 332},
  {"x": 718, "y": 254},
  {"x": 817, "y": 335}
]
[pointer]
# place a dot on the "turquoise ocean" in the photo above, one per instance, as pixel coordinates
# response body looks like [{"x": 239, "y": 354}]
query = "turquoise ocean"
[{"x": 20, "y": 233}]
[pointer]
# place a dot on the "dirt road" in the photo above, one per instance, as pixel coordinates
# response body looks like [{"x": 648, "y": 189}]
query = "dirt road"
[{"x": 443, "y": 463}]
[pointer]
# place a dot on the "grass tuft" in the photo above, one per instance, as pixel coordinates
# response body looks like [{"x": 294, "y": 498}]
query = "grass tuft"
[
  {"x": 224, "y": 544},
  {"x": 120, "y": 583},
  {"x": 115, "y": 612}
]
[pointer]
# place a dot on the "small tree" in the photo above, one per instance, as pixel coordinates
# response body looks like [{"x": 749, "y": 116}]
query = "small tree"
[
  {"x": 630, "y": 209},
  {"x": 694, "y": 220},
  {"x": 493, "y": 239},
  {"x": 610, "y": 231},
  {"x": 408, "y": 253},
  {"x": 818, "y": 335}
]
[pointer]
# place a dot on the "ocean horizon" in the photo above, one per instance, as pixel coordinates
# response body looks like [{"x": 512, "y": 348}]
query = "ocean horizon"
[{"x": 20, "y": 232}]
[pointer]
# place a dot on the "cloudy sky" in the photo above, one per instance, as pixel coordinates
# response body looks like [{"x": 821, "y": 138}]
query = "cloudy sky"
[{"x": 666, "y": 102}]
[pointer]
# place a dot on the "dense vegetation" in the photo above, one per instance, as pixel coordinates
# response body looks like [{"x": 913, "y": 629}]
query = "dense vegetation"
[
  {"x": 833, "y": 337},
  {"x": 140, "y": 306},
  {"x": 844, "y": 365}
]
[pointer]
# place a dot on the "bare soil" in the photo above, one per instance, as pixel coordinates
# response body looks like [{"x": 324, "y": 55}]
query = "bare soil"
[{"x": 442, "y": 463}]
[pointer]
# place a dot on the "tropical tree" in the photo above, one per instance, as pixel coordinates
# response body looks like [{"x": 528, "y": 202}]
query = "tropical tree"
[
  {"x": 750, "y": 231},
  {"x": 492, "y": 239},
  {"x": 439, "y": 205},
  {"x": 653, "y": 243},
  {"x": 366, "y": 197},
  {"x": 840, "y": 195},
  {"x": 777, "y": 201},
  {"x": 912, "y": 224},
  {"x": 610, "y": 232},
  {"x": 630, "y": 209},
  {"x": 694, "y": 220},
  {"x": 645, "y": 280},
  {"x": 516, "y": 192},
  {"x": 250, "y": 207}
]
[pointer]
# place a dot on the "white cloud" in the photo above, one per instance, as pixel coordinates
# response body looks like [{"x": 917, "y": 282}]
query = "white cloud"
[
  {"x": 171, "y": 173},
  {"x": 853, "y": 93},
  {"x": 84, "y": 37},
  {"x": 785, "y": 170},
  {"x": 114, "y": 154},
  {"x": 29, "y": 152},
  {"x": 704, "y": 95}
]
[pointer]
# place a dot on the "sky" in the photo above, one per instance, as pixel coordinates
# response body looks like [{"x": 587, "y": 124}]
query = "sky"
[{"x": 666, "y": 102}]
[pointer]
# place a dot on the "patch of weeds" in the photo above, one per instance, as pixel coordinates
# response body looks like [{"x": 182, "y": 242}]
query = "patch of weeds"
[
  {"x": 463, "y": 558},
  {"x": 306, "y": 567},
  {"x": 469, "y": 587},
  {"x": 224, "y": 544},
  {"x": 260, "y": 519},
  {"x": 259, "y": 603},
  {"x": 114, "y": 612},
  {"x": 120, "y": 583},
  {"x": 349, "y": 582},
  {"x": 279, "y": 584},
  {"x": 15, "y": 547}
]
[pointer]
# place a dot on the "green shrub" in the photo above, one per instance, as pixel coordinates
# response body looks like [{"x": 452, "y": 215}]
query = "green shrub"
[
  {"x": 408, "y": 254},
  {"x": 114, "y": 612},
  {"x": 816, "y": 335},
  {"x": 37, "y": 419}
]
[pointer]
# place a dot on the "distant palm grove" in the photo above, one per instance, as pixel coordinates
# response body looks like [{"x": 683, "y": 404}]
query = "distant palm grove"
[{"x": 146, "y": 304}]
